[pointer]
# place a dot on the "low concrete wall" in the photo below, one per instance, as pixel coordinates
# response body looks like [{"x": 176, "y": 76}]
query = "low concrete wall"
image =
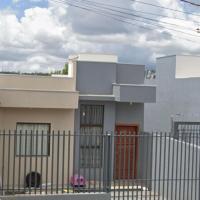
[{"x": 102, "y": 196}]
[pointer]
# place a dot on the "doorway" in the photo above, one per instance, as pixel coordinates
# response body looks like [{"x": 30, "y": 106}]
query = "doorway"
[{"x": 126, "y": 149}]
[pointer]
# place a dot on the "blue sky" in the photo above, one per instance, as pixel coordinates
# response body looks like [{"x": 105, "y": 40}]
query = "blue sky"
[{"x": 18, "y": 6}]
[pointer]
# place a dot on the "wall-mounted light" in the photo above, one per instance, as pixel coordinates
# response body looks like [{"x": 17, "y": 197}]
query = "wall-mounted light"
[{"x": 83, "y": 114}]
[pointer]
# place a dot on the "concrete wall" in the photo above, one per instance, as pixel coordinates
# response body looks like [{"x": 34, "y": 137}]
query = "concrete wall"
[
  {"x": 177, "y": 93},
  {"x": 59, "y": 119},
  {"x": 95, "y": 77},
  {"x": 101, "y": 196},
  {"x": 33, "y": 82},
  {"x": 175, "y": 166},
  {"x": 17, "y": 98},
  {"x": 187, "y": 66},
  {"x": 130, "y": 74},
  {"x": 98, "y": 77},
  {"x": 134, "y": 93},
  {"x": 29, "y": 91},
  {"x": 130, "y": 114}
]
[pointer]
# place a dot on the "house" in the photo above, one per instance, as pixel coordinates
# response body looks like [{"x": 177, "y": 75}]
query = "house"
[
  {"x": 34, "y": 105},
  {"x": 178, "y": 101},
  {"x": 100, "y": 97},
  {"x": 111, "y": 101}
]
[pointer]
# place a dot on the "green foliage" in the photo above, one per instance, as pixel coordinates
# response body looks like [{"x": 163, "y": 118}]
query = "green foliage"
[
  {"x": 62, "y": 71},
  {"x": 65, "y": 69}
]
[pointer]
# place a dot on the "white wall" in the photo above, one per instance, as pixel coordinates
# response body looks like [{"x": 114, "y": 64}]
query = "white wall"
[{"x": 187, "y": 66}]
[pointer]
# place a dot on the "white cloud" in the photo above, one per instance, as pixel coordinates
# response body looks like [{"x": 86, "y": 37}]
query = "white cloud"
[{"x": 44, "y": 37}]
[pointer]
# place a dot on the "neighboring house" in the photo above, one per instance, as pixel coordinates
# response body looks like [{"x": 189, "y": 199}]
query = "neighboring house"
[
  {"x": 178, "y": 99},
  {"x": 33, "y": 103},
  {"x": 111, "y": 100}
]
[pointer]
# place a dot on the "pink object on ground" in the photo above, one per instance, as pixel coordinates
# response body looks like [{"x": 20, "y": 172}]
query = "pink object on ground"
[{"x": 78, "y": 181}]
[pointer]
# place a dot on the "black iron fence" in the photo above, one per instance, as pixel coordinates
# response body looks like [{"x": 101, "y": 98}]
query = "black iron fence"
[{"x": 126, "y": 165}]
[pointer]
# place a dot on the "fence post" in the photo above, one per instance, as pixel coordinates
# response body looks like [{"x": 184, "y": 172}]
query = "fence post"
[{"x": 109, "y": 162}]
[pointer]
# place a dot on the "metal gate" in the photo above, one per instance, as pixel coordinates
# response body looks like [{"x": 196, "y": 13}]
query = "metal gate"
[{"x": 165, "y": 168}]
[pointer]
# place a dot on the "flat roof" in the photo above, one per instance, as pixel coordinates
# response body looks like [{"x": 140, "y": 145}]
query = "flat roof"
[
  {"x": 95, "y": 57},
  {"x": 167, "y": 56}
]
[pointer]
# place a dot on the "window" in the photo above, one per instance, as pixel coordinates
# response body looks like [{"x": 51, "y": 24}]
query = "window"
[
  {"x": 33, "y": 139},
  {"x": 91, "y": 129},
  {"x": 187, "y": 131}
]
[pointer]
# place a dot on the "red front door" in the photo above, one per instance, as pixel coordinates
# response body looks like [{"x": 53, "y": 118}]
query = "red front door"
[{"x": 126, "y": 144}]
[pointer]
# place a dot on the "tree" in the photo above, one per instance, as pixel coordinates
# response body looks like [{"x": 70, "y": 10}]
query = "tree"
[{"x": 65, "y": 69}]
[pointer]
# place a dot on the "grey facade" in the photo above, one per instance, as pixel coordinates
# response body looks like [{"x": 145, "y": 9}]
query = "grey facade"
[
  {"x": 178, "y": 86},
  {"x": 118, "y": 87}
]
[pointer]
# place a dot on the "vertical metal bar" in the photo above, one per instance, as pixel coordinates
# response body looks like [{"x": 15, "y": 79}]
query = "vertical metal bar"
[
  {"x": 3, "y": 161},
  {"x": 36, "y": 160},
  {"x": 48, "y": 136},
  {"x": 143, "y": 178},
  {"x": 180, "y": 166},
  {"x": 19, "y": 156},
  {"x": 155, "y": 169},
  {"x": 147, "y": 165},
  {"x": 90, "y": 148},
  {"x": 168, "y": 166},
  {"x": 129, "y": 137},
  {"x": 197, "y": 166},
  {"x": 108, "y": 185},
  {"x": 58, "y": 161},
  {"x": 14, "y": 154},
  {"x": 124, "y": 162},
  {"x": 8, "y": 174},
  {"x": 185, "y": 160},
  {"x": 101, "y": 151},
  {"x": 151, "y": 153},
  {"x": 138, "y": 138},
  {"x": 104, "y": 161},
  {"x": 30, "y": 167},
  {"x": 192, "y": 175},
  {"x": 79, "y": 166},
  {"x": 114, "y": 162},
  {"x": 133, "y": 140},
  {"x": 177, "y": 161},
  {"x": 83, "y": 156},
  {"x": 188, "y": 172},
  {"x": 41, "y": 160},
  {"x": 160, "y": 161},
  {"x": 52, "y": 163},
  {"x": 69, "y": 158},
  {"x": 25, "y": 158},
  {"x": 63, "y": 162},
  {"x": 74, "y": 155},
  {"x": 164, "y": 163},
  {"x": 172, "y": 174},
  {"x": 95, "y": 160},
  {"x": 119, "y": 169}
]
